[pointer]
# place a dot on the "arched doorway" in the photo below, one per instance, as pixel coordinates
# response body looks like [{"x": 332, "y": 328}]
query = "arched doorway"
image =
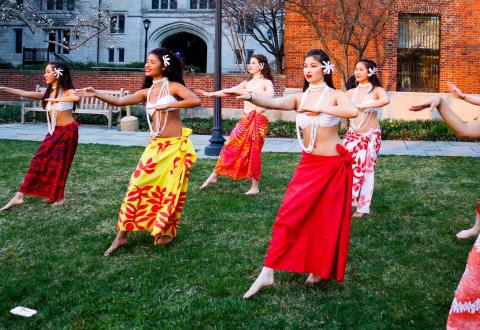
[{"x": 191, "y": 48}]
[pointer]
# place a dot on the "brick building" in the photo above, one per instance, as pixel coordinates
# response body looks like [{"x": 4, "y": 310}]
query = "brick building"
[{"x": 424, "y": 45}]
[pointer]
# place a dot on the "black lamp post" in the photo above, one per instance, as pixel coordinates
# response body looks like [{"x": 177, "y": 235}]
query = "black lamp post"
[
  {"x": 217, "y": 140},
  {"x": 146, "y": 25}
]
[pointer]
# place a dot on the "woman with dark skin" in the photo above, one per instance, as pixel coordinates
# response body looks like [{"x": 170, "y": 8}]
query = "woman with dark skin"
[{"x": 157, "y": 189}]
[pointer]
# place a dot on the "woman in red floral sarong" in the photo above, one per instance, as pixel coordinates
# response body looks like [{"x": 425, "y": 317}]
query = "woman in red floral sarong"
[
  {"x": 312, "y": 229},
  {"x": 48, "y": 171},
  {"x": 240, "y": 157},
  {"x": 364, "y": 134},
  {"x": 465, "y": 310}
]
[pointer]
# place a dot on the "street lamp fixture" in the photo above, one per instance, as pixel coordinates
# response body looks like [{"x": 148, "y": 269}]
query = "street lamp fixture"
[
  {"x": 146, "y": 25},
  {"x": 217, "y": 140}
]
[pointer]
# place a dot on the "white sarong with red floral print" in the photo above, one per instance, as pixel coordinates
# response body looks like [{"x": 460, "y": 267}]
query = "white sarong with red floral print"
[{"x": 364, "y": 148}]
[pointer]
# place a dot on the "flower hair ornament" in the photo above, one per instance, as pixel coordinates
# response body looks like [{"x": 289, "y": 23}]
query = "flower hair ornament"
[
  {"x": 166, "y": 60},
  {"x": 58, "y": 72},
  {"x": 372, "y": 71},
  {"x": 327, "y": 67}
]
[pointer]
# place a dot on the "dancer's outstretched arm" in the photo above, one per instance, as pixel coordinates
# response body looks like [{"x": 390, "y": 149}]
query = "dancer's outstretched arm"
[
  {"x": 286, "y": 103},
  {"x": 136, "y": 98},
  {"x": 68, "y": 96},
  {"x": 343, "y": 107},
  {"x": 22, "y": 93},
  {"x": 462, "y": 129},
  {"x": 268, "y": 92},
  {"x": 221, "y": 93},
  {"x": 187, "y": 98},
  {"x": 381, "y": 101},
  {"x": 456, "y": 92}
]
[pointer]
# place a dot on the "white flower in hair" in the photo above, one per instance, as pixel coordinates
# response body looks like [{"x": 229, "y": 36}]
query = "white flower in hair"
[
  {"x": 166, "y": 60},
  {"x": 327, "y": 67},
  {"x": 372, "y": 71},
  {"x": 58, "y": 72}
]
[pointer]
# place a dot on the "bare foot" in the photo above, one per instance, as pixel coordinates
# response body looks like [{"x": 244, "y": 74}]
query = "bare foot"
[
  {"x": 212, "y": 179},
  {"x": 16, "y": 200},
  {"x": 253, "y": 191},
  {"x": 313, "y": 279},
  {"x": 163, "y": 240},
  {"x": 59, "y": 202},
  {"x": 264, "y": 280},
  {"x": 467, "y": 233},
  {"x": 358, "y": 215},
  {"x": 120, "y": 240}
]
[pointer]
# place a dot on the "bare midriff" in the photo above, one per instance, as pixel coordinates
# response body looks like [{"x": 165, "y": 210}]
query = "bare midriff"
[
  {"x": 174, "y": 123},
  {"x": 325, "y": 142}
]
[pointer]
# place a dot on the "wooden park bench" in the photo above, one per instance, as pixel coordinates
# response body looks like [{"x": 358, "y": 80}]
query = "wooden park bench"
[{"x": 87, "y": 105}]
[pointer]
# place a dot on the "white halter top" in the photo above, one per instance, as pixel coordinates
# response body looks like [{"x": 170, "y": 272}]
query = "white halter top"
[
  {"x": 303, "y": 120},
  {"x": 164, "y": 97},
  {"x": 53, "y": 107}
]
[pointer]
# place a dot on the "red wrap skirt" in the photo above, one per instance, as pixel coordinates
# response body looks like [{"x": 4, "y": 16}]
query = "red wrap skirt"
[
  {"x": 240, "y": 158},
  {"x": 48, "y": 171},
  {"x": 312, "y": 230}
]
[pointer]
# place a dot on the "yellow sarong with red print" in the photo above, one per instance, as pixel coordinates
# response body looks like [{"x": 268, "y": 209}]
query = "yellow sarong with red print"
[{"x": 158, "y": 187}]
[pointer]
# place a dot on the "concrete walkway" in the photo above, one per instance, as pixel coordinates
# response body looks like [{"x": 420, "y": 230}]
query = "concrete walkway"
[{"x": 102, "y": 135}]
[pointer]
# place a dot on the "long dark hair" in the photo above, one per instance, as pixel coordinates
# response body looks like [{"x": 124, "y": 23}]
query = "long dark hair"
[
  {"x": 266, "y": 71},
  {"x": 320, "y": 56},
  {"x": 373, "y": 79},
  {"x": 64, "y": 81},
  {"x": 173, "y": 71}
]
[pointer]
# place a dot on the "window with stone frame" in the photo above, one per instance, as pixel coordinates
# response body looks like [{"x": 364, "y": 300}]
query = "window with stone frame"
[
  {"x": 164, "y": 4},
  {"x": 18, "y": 40},
  {"x": 111, "y": 55},
  {"x": 248, "y": 55},
  {"x": 246, "y": 24},
  {"x": 418, "y": 53},
  {"x": 70, "y": 5},
  {"x": 202, "y": 4},
  {"x": 117, "y": 23},
  {"x": 121, "y": 54}
]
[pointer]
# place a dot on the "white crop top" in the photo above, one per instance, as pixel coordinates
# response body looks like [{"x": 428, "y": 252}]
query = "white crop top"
[
  {"x": 164, "y": 97},
  {"x": 303, "y": 120},
  {"x": 367, "y": 98},
  {"x": 53, "y": 107}
]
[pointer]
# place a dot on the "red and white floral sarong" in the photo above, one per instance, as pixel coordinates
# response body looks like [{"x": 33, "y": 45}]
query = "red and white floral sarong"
[
  {"x": 465, "y": 311},
  {"x": 364, "y": 148}
]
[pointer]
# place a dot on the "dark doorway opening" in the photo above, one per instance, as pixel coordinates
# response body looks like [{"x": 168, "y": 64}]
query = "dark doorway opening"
[{"x": 191, "y": 48}]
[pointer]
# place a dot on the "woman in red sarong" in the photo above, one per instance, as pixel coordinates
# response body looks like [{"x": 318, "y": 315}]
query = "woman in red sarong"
[
  {"x": 465, "y": 310},
  {"x": 48, "y": 171},
  {"x": 312, "y": 229},
  {"x": 240, "y": 157}
]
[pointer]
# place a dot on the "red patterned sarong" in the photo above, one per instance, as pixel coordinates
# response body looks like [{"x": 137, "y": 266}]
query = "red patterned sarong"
[
  {"x": 465, "y": 311},
  {"x": 312, "y": 230},
  {"x": 48, "y": 171},
  {"x": 364, "y": 148},
  {"x": 240, "y": 157}
]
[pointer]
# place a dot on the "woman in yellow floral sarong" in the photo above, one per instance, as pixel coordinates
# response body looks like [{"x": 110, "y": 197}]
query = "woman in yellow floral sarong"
[
  {"x": 240, "y": 157},
  {"x": 158, "y": 186}
]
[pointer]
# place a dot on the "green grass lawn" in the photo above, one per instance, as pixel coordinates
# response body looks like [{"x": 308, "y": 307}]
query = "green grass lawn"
[{"x": 404, "y": 262}]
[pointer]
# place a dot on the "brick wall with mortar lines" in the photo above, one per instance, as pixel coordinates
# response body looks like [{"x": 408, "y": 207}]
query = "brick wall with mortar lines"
[
  {"x": 28, "y": 80},
  {"x": 459, "y": 44}
]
